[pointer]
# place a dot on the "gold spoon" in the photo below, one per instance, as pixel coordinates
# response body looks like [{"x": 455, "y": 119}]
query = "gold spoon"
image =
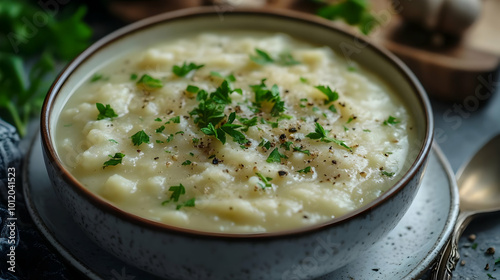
[{"x": 479, "y": 191}]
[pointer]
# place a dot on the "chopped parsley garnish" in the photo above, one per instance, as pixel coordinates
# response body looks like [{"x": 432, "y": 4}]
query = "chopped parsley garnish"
[
  {"x": 474, "y": 246},
  {"x": 192, "y": 89},
  {"x": 188, "y": 203},
  {"x": 266, "y": 144},
  {"x": 262, "y": 93},
  {"x": 114, "y": 160},
  {"x": 96, "y": 77},
  {"x": 275, "y": 156},
  {"x": 391, "y": 121},
  {"x": 305, "y": 81},
  {"x": 105, "y": 111},
  {"x": 350, "y": 119},
  {"x": 367, "y": 130},
  {"x": 176, "y": 119},
  {"x": 221, "y": 94},
  {"x": 177, "y": 191},
  {"x": 229, "y": 78},
  {"x": 345, "y": 128},
  {"x": 149, "y": 82},
  {"x": 315, "y": 109},
  {"x": 113, "y": 141},
  {"x": 305, "y": 170},
  {"x": 299, "y": 149},
  {"x": 227, "y": 128},
  {"x": 157, "y": 120},
  {"x": 247, "y": 123},
  {"x": 497, "y": 261},
  {"x": 261, "y": 57},
  {"x": 284, "y": 58},
  {"x": 185, "y": 68},
  {"x": 330, "y": 95},
  {"x": 195, "y": 141},
  {"x": 133, "y": 77},
  {"x": 208, "y": 111},
  {"x": 332, "y": 108},
  {"x": 179, "y": 132},
  {"x": 352, "y": 68},
  {"x": 389, "y": 174},
  {"x": 187, "y": 162},
  {"x": 321, "y": 134},
  {"x": 286, "y": 145},
  {"x": 139, "y": 138},
  {"x": 170, "y": 137},
  {"x": 160, "y": 129},
  {"x": 265, "y": 181},
  {"x": 160, "y": 142},
  {"x": 490, "y": 276}
]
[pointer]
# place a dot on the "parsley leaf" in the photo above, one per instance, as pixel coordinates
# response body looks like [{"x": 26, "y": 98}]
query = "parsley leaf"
[
  {"x": 388, "y": 174},
  {"x": 229, "y": 78},
  {"x": 183, "y": 70},
  {"x": 133, "y": 77},
  {"x": 113, "y": 141},
  {"x": 391, "y": 121},
  {"x": 332, "y": 108},
  {"x": 304, "y": 81},
  {"x": 207, "y": 112},
  {"x": 266, "y": 144},
  {"x": 221, "y": 94},
  {"x": 176, "y": 119},
  {"x": 115, "y": 160},
  {"x": 177, "y": 191},
  {"x": 331, "y": 95},
  {"x": 286, "y": 59},
  {"x": 305, "y": 170},
  {"x": 149, "y": 82},
  {"x": 192, "y": 89},
  {"x": 170, "y": 138},
  {"x": 261, "y": 58},
  {"x": 96, "y": 77},
  {"x": 354, "y": 12},
  {"x": 299, "y": 149},
  {"x": 189, "y": 203},
  {"x": 262, "y": 93},
  {"x": 265, "y": 181},
  {"x": 286, "y": 145},
  {"x": 248, "y": 122},
  {"x": 139, "y": 138},
  {"x": 157, "y": 120},
  {"x": 160, "y": 129},
  {"x": 275, "y": 156},
  {"x": 105, "y": 111},
  {"x": 321, "y": 134},
  {"x": 490, "y": 276},
  {"x": 187, "y": 162}
]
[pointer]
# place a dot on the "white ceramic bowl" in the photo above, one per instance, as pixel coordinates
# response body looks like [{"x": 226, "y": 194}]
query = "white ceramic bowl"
[{"x": 178, "y": 253}]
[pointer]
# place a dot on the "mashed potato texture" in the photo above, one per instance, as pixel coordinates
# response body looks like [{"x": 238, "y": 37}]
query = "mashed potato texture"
[{"x": 235, "y": 132}]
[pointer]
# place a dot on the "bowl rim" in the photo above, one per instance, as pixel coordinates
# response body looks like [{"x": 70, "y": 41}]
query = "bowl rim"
[{"x": 107, "y": 207}]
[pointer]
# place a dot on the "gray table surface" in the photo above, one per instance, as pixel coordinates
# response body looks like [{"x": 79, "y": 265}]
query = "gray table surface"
[{"x": 460, "y": 130}]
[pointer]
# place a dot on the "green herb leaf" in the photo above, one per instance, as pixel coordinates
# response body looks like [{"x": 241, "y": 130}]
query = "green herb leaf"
[
  {"x": 160, "y": 141},
  {"x": 286, "y": 59},
  {"x": 170, "y": 138},
  {"x": 195, "y": 141},
  {"x": 188, "y": 203},
  {"x": 185, "y": 68},
  {"x": 321, "y": 134},
  {"x": 115, "y": 160},
  {"x": 332, "y": 108},
  {"x": 286, "y": 145},
  {"x": 187, "y": 162},
  {"x": 304, "y": 80},
  {"x": 105, "y": 111},
  {"x": 266, "y": 144},
  {"x": 96, "y": 77},
  {"x": 229, "y": 78},
  {"x": 354, "y": 12},
  {"x": 177, "y": 191},
  {"x": 176, "y": 119},
  {"x": 192, "y": 89},
  {"x": 261, "y": 57},
  {"x": 248, "y": 123},
  {"x": 391, "y": 121},
  {"x": 305, "y": 170},
  {"x": 388, "y": 174},
  {"x": 140, "y": 137},
  {"x": 113, "y": 141},
  {"x": 149, "y": 82},
  {"x": 265, "y": 181},
  {"x": 490, "y": 276},
  {"x": 330, "y": 95},
  {"x": 158, "y": 120},
  {"x": 299, "y": 149},
  {"x": 474, "y": 246},
  {"x": 262, "y": 93},
  {"x": 275, "y": 156},
  {"x": 133, "y": 77},
  {"x": 160, "y": 129}
]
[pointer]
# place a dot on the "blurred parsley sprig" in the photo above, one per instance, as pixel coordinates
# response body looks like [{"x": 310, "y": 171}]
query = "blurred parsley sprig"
[
  {"x": 353, "y": 12},
  {"x": 34, "y": 39}
]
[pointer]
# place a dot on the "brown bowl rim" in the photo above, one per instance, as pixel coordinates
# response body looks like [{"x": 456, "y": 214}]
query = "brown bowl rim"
[{"x": 183, "y": 14}]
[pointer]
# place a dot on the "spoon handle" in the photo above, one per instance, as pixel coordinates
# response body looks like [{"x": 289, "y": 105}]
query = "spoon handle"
[{"x": 450, "y": 256}]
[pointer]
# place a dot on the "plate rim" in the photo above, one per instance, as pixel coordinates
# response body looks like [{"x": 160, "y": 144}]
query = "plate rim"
[{"x": 422, "y": 267}]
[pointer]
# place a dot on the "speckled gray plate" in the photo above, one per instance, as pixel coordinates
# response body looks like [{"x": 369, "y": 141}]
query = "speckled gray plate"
[{"x": 406, "y": 253}]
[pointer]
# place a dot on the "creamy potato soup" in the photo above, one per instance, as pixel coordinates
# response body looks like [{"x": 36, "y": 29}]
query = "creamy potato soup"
[{"x": 235, "y": 132}]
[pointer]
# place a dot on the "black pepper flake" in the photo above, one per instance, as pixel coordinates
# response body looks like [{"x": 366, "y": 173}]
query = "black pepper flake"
[
  {"x": 292, "y": 130},
  {"x": 138, "y": 151},
  {"x": 282, "y": 173},
  {"x": 215, "y": 160},
  {"x": 487, "y": 267},
  {"x": 156, "y": 158},
  {"x": 375, "y": 269},
  {"x": 334, "y": 161},
  {"x": 282, "y": 137},
  {"x": 305, "y": 217},
  {"x": 490, "y": 251}
]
